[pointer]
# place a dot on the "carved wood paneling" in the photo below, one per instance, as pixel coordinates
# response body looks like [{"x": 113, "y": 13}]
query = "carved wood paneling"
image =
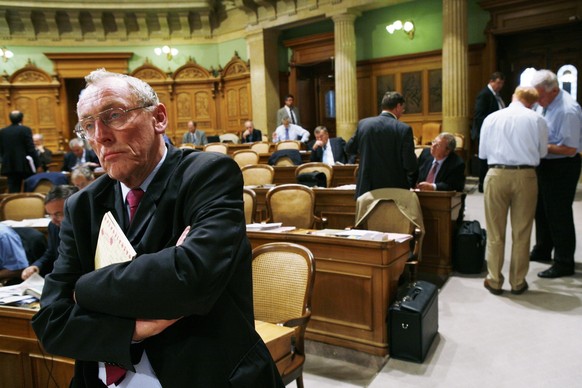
[{"x": 235, "y": 102}]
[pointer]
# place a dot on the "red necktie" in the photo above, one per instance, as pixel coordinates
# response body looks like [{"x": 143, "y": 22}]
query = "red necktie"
[
  {"x": 133, "y": 198},
  {"x": 431, "y": 174}
]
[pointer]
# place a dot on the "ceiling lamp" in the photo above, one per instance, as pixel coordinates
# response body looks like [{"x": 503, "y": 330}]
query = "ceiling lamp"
[{"x": 407, "y": 27}]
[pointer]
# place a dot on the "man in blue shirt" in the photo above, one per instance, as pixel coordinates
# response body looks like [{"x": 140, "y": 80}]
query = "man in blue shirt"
[
  {"x": 12, "y": 256},
  {"x": 558, "y": 175}
]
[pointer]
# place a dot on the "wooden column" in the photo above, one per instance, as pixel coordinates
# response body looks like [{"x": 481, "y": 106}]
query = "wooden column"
[
  {"x": 346, "y": 89},
  {"x": 455, "y": 68},
  {"x": 264, "y": 78}
]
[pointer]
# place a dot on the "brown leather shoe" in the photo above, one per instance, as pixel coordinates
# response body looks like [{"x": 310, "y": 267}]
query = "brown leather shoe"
[
  {"x": 521, "y": 290},
  {"x": 494, "y": 291}
]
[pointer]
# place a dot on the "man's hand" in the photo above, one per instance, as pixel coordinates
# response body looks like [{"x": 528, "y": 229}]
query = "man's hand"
[
  {"x": 425, "y": 186},
  {"x": 317, "y": 144},
  {"x": 27, "y": 272}
]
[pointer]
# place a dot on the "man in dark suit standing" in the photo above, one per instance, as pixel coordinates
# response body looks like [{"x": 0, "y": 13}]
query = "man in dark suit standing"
[
  {"x": 17, "y": 151},
  {"x": 488, "y": 101},
  {"x": 251, "y": 134},
  {"x": 386, "y": 148},
  {"x": 326, "y": 150},
  {"x": 79, "y": 156},
  {"x": 440, "y": 168},
  {"x": 181, "y": 313}
]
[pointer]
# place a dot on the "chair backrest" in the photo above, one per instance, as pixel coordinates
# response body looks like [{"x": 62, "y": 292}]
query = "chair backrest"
[
  {"x": 430, "y": 131},
  {"x": 292, "y": 205},
  {"x": 22, "y": 206},
  {"x": 316, "y": 166},
  {"x": 288, "y": 145},
  {"x": 460, "y": 140},
  {"x": 43, "y": 186},
  {"x": 229, "y": 138},
  {"x": 283, "y": 278},
  {"x": 216, "y": 147},
  {"x": 250, "y": 202},
  {"x": 284, "y": 161},
  {"x": 188, "y": 145},
  {"x": 245, "y": 157},
  {"x": 258, "y": 174},
  {"x": 261, "y": 147}
]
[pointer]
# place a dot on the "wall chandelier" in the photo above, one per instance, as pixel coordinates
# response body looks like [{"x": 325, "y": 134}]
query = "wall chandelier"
[
  {"x": 407, "y": 27},
  {"x": 5, "y": 54},
  {"x": 169, "y": 52}
]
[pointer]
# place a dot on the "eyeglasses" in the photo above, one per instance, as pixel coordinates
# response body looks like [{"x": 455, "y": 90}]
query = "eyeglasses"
[{"x": 114, "y": 118}]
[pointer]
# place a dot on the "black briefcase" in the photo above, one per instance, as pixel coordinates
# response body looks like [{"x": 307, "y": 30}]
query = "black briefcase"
[
  {"x": 413, "y": 322},
  {"x": 469, "y": 248}
]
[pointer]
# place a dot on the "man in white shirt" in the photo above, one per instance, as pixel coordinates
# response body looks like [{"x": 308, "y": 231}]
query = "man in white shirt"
[
  {"x": 513, "y": 140},
  {"x": 288, "y": 131}
]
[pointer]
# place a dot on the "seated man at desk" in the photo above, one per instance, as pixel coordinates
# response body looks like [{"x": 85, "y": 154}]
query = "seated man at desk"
[
  {"x": 326, "y": 150},
  {"x": 440, "y": 168},
  {"x": 194, "y": 136},
  {"x": 288, "y": 131},
  {"x": 12, "y": 256},
  {"x": 250, "y": 133},
  {"x": 79, "y": 156},
  {"x": 54, "y": 204}
]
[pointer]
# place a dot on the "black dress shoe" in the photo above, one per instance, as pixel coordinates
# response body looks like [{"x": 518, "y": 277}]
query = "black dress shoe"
[
  {"x": 521, "y": 290},
  {"x": 494, "y": 291},
  {"x": 555, "y": 272}
]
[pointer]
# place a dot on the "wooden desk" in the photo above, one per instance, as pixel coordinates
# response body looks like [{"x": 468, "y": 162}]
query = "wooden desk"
[
  {"x": 278, "y": 340},
  {"x": 440, "y": 210},
  {"x": 23, "y": 363},
  {"x": 355, "y": 282}
]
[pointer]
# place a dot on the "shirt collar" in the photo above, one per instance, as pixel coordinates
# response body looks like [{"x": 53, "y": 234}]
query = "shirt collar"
[{"x": 144, "y": 186}]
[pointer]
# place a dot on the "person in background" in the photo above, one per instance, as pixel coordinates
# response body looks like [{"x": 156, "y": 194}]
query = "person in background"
[
  {"x": 512, "y": 140},
  {"x": 289, "y": 110},
  {"x": 44, "y": 154},
  {"x": 488, "y": 101},
  {"x": 326, "y": 150},
  {"x": 558, "y": 175},
  {"x": 386, "y": 148},
  {"x": 288, "y": 131},
  {"x": 250, "y": 133},
  {"x": 12, "y": 256},
  {"x": 440, "y": 168},
  {"x": 17, "y": 152},
  {"x": 194, "y": 136},
  {"x": 79, "y": 156},
  {"x": 81, "y": 177},
  {"x": 180, "y": 314},
  {"x": 54, "y": 204}
]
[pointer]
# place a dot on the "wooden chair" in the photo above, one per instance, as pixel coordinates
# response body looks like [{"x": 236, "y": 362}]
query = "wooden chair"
[
  {"x": 292, "y": 205},
  {"x": 283, "y": 278},
  {"x": 316, "y": 166},
  {"x": 245, "y": 157},
  {"x": 460, "y": 139},
  {"x": 261, "y": 147},
  {"x": 188, "y": 145},
  {"x": 20, "y": 206},
  {"x": 250, "y": 202},
  {"x": 393, "y": 211},
  {"x": 258, "y": 174},
  {"x": 288, "y": 145},
  {"x": 430, "y": 131},
  {"x": 229, "y": 138},
  {"x": 216, "y": 147},
  {"x": 284, "y": 161}
]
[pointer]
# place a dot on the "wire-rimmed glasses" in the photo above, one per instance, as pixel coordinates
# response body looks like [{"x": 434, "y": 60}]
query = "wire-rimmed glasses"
[{"x": 114, "y": 118}]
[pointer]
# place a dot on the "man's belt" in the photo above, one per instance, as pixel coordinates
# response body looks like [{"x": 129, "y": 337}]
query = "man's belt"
[{"x": 511, "y": 167}]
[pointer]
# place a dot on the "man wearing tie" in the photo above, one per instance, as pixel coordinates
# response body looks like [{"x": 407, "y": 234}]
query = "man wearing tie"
[
  {"x": 194, "y": 136},
  {"x": 290, "y": 110},
  {"x": 440, "y": 168},
  {"x": 326, "y": 150},
  {"x": 181, "y": 313},
  {"x": 488, "y": 101}
]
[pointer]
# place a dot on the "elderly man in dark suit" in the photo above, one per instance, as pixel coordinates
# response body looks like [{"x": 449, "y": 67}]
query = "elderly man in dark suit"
[
  {"x": 17, "y": 152},
  {"x": 439, "y": 167},
  {"x": 181, "y": 313},
  {"x": 488, "y": 101},
  {"x": 328, "y": 150},
  {"x": 79, "y": 156},
  {"x": 386, "y": 148},
  {"x": 250, "y": 133}
]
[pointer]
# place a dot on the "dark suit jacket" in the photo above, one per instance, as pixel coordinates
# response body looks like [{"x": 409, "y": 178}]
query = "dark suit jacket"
[
  {"x": 485, "y": 104},
  {"x": 15, "y": 145},
  {"x": 337, "y": 149},
  {"x": 207, "y": 280},
  {"x": 44, "y": 158},
  {"x": 451, "y": 175},
  {"x": 256, "y": 135},
  {"x": 46, "y": 262},
  {"x": 387, "y": 157},
  {"x": 70, "y": 159}
]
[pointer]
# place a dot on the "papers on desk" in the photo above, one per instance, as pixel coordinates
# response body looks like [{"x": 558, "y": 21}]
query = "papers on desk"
[
  {"x": 25, "y": 292},
  {"x": 275, "y": 227},
  {"x": 359, "y": 234},
  {"x": 31, "y": 223}
]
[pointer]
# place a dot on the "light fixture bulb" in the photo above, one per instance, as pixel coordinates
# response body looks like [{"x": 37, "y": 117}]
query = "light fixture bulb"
[
  {"x": 390, "y": 29},
  {"x": 173, "y": 51},
  {"x": 166, "y": 49},
  {"x": 408, "y": 26},
  {"x": 397, "y": 25},
  {"x": 158, "y": 51}
]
